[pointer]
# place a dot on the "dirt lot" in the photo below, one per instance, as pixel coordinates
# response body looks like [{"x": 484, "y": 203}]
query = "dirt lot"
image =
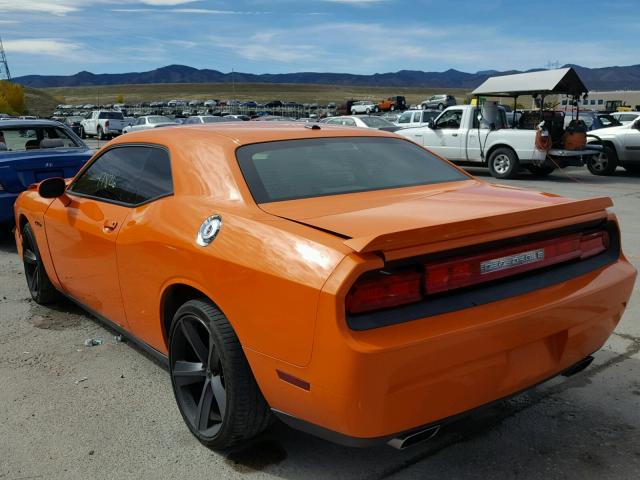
[{"x": 68, "y": 411}]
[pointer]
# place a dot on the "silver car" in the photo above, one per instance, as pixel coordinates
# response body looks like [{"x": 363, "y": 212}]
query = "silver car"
[{"x": 439, "y": 102}]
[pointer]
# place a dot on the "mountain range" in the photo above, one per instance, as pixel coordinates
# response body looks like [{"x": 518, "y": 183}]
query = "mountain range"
[{"x": 606, "y": 78}]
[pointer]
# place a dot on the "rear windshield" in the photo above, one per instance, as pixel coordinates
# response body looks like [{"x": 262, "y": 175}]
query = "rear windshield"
[
  {"x": 111, "y": 115},
  {"x": 294, "y": 169},
  {"x": 35, "y": 138}
]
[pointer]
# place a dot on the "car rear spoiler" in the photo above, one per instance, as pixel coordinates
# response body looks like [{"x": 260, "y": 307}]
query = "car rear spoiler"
[{"x": 477, "y": 226}]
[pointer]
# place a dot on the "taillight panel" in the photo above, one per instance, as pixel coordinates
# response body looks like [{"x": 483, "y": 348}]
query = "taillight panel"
[{"x": 385, "y": 289}]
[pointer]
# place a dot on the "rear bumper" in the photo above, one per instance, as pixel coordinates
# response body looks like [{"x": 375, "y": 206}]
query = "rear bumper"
[
  {"x": 366, "y": 386},
  {"x": 6, "y": 206}
]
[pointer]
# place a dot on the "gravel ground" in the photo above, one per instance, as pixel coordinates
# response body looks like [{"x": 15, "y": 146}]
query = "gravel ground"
[{"x": 68, "y": 411}]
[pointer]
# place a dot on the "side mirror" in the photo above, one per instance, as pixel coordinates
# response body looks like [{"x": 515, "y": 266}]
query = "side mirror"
[
  {"x": 52, "y": 187},
  {"x": 431, "y": 124}
]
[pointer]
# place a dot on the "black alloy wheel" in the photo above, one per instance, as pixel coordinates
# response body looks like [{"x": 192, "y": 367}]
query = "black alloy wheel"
[
  {"x": 40, "y": 287},
  {"x": 214, "y": 388}
]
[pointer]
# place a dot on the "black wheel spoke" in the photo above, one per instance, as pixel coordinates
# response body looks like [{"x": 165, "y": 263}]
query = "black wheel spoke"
[
  {"x": 192, "y": 336},
  {"x": 204, "y": 406},
  {"x": 30, "y": 257},
  {"x": 219, "y": 393},
  {"x": 187, "y": 373}
]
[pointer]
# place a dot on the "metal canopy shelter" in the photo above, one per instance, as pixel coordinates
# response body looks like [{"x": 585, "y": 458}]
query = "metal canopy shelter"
[{"x": 547, "y": 82}]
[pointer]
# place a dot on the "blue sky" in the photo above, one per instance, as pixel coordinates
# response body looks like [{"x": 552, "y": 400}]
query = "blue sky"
[{"x": 276, "y": 36}]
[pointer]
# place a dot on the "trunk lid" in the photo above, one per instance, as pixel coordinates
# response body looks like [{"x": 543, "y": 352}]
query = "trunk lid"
[
  {"x": 18, "y": 170},
  {"x": 388, "y": 220}
]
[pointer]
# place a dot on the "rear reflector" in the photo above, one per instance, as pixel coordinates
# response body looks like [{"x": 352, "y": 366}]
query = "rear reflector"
[{"x": 385, "y": 290}]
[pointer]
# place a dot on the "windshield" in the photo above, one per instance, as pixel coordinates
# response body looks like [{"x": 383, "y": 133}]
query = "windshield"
[
  {"x": 35, "y": 138},
  {"x": 405, "y": 117},
  {"x": 294, "y": 169},
  {"x": 376, "y": 122},
  {"x": 608, "y": 121},
  {"x": 111, "y": 115},
  {"x": 212, "y": 119},
  {"x": 159, "y": 119}
]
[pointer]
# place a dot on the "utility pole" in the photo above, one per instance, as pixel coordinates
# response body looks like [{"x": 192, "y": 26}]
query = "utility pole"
[{"x": 5, "y": 74}]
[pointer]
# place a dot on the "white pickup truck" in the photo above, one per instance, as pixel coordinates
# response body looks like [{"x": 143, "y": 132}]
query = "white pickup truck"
[
  {"x": 102, "y": 124},
  {"x": 460, "y": 136}
]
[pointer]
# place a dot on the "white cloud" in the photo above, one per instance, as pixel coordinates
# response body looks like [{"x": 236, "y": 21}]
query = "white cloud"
[
  {"x": 265, "y": 46},
  {"x": 43, "y": 46},
  {"x": 166, "y": 3},
  {"x": 356, "y": 2},
  {"x": 192, "y": 11},
  {"x": 60, "y": 7}
]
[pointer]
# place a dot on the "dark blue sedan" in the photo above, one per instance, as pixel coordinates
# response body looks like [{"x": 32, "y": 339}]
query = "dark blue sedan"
[{"x": 32, "y": 150}]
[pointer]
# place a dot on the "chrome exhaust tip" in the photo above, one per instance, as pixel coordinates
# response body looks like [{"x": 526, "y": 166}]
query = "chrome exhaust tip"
[{"x": 414, "y": 438}]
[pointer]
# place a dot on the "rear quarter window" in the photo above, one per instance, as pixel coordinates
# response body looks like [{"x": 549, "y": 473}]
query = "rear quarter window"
[{"x": 296, "y": 169}]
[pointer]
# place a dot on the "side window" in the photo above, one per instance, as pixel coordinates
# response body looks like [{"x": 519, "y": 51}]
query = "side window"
[
  {"x": 450, "y": 119},
  {"x": 141, "y": 121},
  {"x": 405, "y": 117},
  {"x": 58, "y": 134},
  {"x": 416, "y": 117},
  {"x": 348, "y": 122},
  {"x": 128, "y": 175},
  {"x": 600, "y": 101}
]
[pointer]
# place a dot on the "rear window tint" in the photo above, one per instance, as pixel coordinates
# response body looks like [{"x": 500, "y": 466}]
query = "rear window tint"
[
  {"x": 111, "y": 115},
  {"x": 294, "y": 169}
]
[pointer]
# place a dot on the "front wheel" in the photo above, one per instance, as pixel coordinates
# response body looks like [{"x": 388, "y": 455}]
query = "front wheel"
[
  {"x": 214, "y": 388},
  {"x": 367, "y": 111},
  {"x": 40, "y": 287},
  {"x": 605, "y": 163},
  {"x": 503, "y": 163}
]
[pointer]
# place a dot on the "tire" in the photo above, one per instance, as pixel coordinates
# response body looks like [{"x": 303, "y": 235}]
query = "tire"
[
  {"x": 353, "y": 112},
  {"x": 367, "y": 111},
  {"x": 632, "y": 169},
  {"x": 40, "y": 287},
  {"x": 503, "y": 163},
  {"x": 100, "y": 134},
  {"x": 220, "y": 402},
  {"x": 393, "y": 107},
  {"x": 83, "y": 135},
  {"x": 440, "y": 106},
  {"x": 540, "y": 171},
  {"x": 604, "y": 163}
]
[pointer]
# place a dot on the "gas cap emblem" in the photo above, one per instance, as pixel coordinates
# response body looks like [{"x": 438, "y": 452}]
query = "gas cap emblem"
[{"x": 208, "y": 230}]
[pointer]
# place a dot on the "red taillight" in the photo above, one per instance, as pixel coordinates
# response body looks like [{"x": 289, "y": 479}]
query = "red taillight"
[
  {"x": 384, "y": 290},
  {"x": 495, "y": 264},
  {"x": 106, "y": 124}
]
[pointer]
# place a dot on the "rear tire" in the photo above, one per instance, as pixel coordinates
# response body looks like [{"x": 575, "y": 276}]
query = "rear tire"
[
  {"x": 40, "y": 287},
  {"x": 214, "y": 387},
  {"x": 100, "y": 134},
  {"x": 604, "y": 163},
  {"x": 503, "y": 163}
]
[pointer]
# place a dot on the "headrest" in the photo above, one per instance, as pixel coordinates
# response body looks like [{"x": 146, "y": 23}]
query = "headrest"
[{"x": 51, "y": 143}]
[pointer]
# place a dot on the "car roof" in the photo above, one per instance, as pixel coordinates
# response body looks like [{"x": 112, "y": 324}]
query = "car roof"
[
  {"x": 243, "y": 133},
  {"x": 29, "y": 123}
]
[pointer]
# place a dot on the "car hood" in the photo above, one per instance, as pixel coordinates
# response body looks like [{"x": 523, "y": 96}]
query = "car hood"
[
  {"x": 398, "y": 218},
  {"x": 609, "y": 130}
]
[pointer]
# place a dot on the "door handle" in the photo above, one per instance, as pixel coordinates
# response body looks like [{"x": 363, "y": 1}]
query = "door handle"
[
  {"x": 109, "y": 225},
  {"x": 454, "y": 134},
  {"x": 417, "y": 134}
]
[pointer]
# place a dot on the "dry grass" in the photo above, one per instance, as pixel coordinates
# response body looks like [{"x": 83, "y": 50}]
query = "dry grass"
[{"x": 243, "y": 91}]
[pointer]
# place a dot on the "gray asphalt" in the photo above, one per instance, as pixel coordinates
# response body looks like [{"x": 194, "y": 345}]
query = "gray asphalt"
[{"x": 68, "y": 411}]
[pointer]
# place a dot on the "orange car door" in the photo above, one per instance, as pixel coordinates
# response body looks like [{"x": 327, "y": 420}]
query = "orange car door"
[{"x": 82, "y": 234}]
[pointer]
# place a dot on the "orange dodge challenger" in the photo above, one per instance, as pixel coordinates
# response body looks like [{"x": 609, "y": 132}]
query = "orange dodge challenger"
[{"x": 347, "y": 281}]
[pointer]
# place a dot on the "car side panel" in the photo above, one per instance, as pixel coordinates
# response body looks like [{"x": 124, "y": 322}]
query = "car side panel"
[{"x": 266, "y": 277}]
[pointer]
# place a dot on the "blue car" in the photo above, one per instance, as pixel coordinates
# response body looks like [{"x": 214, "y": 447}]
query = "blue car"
[{"x": 32, "y": 150}]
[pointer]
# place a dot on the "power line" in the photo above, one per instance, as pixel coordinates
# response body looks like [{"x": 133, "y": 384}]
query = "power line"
[{"x": 4, "y": 65}]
